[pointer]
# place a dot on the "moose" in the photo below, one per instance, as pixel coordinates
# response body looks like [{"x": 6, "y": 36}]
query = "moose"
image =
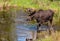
[{"x": 41, "y": 16}]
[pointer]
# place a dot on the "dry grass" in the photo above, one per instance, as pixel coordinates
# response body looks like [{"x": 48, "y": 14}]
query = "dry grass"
[{"x": 53, "y": 37}]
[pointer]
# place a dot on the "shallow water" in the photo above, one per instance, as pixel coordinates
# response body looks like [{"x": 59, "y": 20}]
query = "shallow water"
[{"x": 23, "y": 31}]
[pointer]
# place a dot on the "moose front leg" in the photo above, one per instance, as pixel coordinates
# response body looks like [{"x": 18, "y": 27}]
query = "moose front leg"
[
  {"x": 51, "y": 30},
  {"x": 38, "y": 31},
  {"x": 38, "y": 26}
]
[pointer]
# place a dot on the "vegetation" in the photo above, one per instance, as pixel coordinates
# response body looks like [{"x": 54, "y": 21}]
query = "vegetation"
[
  {"x": 55, "y": 37},
  {"x": 6, "y": 24}
]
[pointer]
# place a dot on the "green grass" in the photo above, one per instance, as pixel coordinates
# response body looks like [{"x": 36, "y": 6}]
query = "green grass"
[
  {"x": 24, "y": 3},
  {"x": 36, "y": 4}
]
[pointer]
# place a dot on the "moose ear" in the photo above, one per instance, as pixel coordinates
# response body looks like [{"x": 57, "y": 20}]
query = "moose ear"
[
  {"x": 40, "y": 9},
  {"x": 34, "y": 11}
]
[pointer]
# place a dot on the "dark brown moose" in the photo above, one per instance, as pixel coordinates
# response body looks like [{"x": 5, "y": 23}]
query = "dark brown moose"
[{"x": 41, "y": 16}]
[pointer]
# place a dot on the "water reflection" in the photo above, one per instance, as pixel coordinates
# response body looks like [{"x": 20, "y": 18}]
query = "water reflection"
[
  {"x": 25, "y": 31},
  {"x": 22, "y": 38}
]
